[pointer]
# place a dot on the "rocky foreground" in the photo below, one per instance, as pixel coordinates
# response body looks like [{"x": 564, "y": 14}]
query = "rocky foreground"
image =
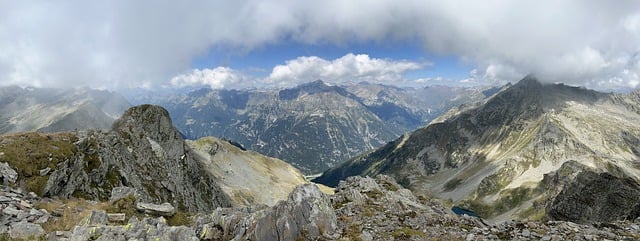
[{"x": 362, "y": 208}]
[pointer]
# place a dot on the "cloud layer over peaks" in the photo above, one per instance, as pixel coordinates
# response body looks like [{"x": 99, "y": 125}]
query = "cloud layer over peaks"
[
  {"x": 124, "y": 43},
  {"x": 348, "y": 68}
]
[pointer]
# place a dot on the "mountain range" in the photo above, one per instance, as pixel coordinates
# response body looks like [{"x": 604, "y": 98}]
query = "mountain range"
[
  {"x": 315, "y": 125},
  {"x": 521, "y": 154},
  {"x": 563, "y": 158}
]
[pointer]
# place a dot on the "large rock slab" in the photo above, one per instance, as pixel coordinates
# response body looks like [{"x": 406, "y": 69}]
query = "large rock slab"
[
  {"x": 25, "y": 230},
  {"x": 164, "y": 209}
]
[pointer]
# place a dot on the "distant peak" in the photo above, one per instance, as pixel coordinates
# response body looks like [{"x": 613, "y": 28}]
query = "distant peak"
[
  {"x": 318, "y": 82},
  {"x": 529, "y": 80},
  {"x": 314, "y": 87}
]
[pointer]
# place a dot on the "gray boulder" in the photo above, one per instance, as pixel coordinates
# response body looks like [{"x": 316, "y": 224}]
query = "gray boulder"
[
  {"x": 7, "y": 174},
  {"x": 25, "y": 230},
  {"x": 164, "y": 209}
]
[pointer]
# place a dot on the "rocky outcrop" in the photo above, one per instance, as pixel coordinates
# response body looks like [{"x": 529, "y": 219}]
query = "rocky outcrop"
[
  {"x": 143, "y": 151},
  {"x": 593, "y": 197},
  {"x": 305, "y": 215},
  {"x": 7, "y": 174}
]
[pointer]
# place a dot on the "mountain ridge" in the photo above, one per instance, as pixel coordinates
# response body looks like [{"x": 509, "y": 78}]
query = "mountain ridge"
[{"x": 484, "y": 155}]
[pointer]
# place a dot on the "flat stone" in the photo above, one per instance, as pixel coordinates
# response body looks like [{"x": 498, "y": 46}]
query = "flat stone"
[
  {"x": 4, "y": 199},
  {"x": 11, "y": 211},
  {"x": 24, "y": 230},
  {"x": 116, "y": 217},
  {"x": 164, "y": 209},
  {"x": 25, "y": 205},
  {"x": 526, "y": 233}
]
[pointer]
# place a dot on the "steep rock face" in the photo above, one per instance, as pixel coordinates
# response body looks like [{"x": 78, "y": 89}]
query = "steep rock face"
[
  {"x": 247, "y": 177},
  {"x": 591, "y": 197},
  {"x": 143, "y": 151},
  {"x": 50, "y": 110},
  {"x": 491, "y": 158},
  {"x": 312, "y": 126}
]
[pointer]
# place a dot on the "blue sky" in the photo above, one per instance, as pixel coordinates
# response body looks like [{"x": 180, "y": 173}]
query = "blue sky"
[
  {"x": 279, "y": 43},
  {"x": 260, "y": 61}
]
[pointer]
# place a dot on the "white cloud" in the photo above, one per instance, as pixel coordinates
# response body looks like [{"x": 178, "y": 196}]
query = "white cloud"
[
  {"x": 123, "y": 43},
  {"x": 304, "y": 69},
  {"x": 216, "y": 78},
  {"x": 350, "y": 67}
]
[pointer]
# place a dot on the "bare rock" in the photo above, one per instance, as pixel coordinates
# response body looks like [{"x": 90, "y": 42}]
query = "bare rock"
[
  {"x": 164, "y": 209},
  {"x": 116, "y": 217},
  {"x": 45, "y": 171},
  {"x": 305, "y": 215},
  {"x": 25, "y": 230},
  {"x": 7, "y": 173},
  {"x": 118, "y": 193}
]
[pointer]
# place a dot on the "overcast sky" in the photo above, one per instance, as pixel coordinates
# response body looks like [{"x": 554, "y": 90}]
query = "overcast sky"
[{"x": 239, "y": 44}]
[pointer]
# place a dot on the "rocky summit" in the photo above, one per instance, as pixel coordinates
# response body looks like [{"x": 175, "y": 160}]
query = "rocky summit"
[{"x": 530, "y": 151}]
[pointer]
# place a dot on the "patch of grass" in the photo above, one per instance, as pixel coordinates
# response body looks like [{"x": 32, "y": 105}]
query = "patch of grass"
[
  {"x": 73, "y": 211},
  {"x": 28, "y": 153},
  {"x": 81, "y": 195},
  {"x": 374, "y": 194},
  {"x": 406, "y": 232},
  {"x": 92, "y": 161},
  {"x": 125, "y": 205},
  {"x": 180, "y": 219},
  {"x": 389, "y": 186},
  {"x": 113, "y": 176},
  {"x": 352, "y": 232},
  {"x": 509, "y": 199},
  {"x": 36, "y": 184}
]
